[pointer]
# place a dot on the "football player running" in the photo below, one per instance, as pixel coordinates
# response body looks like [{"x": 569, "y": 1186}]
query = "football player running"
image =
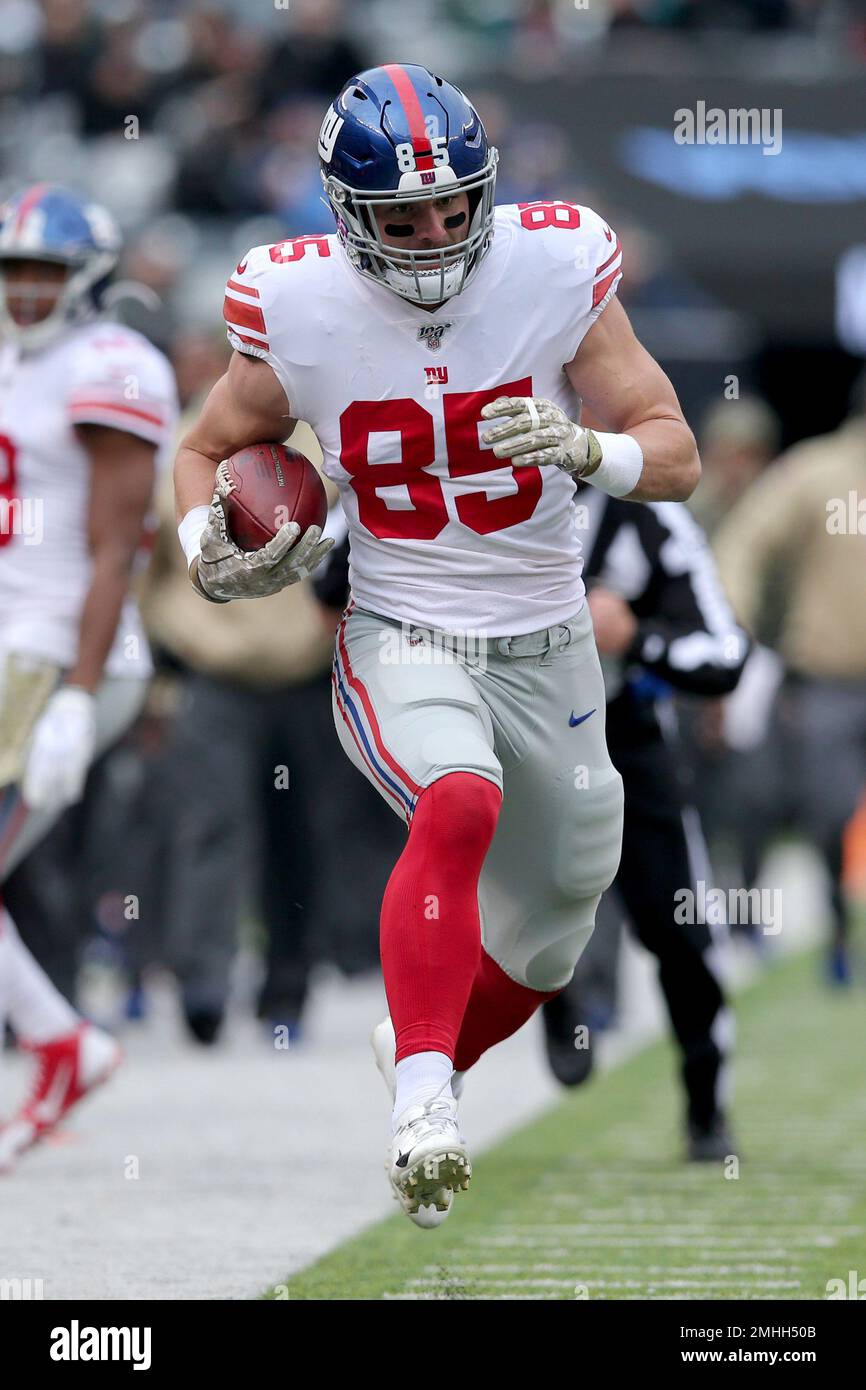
[
  {"x": 467, "y": 687},
  {"x": 87, "y": 411}
]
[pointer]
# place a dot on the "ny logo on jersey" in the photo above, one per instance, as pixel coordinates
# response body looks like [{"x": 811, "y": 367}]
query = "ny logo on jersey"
[
  {"x": 432, "y": 334},
  {"x": 436, "y": 376}
]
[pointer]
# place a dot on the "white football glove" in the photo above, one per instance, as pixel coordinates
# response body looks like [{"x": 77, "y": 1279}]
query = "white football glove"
[
  {"x": 61, "y": 750},
  {"x": 223, "y": 571},
  {"x": 539, "y": 432}
]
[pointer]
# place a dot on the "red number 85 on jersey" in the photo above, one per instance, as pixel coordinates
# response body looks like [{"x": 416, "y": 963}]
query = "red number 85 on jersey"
[{"x": 429, "y": 514}]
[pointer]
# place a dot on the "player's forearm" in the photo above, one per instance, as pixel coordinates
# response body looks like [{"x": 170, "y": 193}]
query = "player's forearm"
[
  {"x": 671, "y": 465},
  {"x": 100, "y": 616},
  {"x": 723, "y": 655},
  {"x": 193, "y": 478}
]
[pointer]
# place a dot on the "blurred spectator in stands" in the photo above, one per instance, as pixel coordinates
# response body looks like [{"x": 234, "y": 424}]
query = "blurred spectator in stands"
[
  {"x": 67, "y": 47},
  {"x": 118, "y": 84},
  {"x": 199, "y": 359},
  {"x": 732, "y": 753},
  {"x": 538, "y": 163},
  {"x": 655, "y": 279},
  {"x": 153, "y": 261},
  {"x": 212, "y": 114},
  {"x": 796, "y": 537},
  {"x": 289, "y": 181},
  {"x": 315, "y": 58},
  {"x": 702, "y": 14},
  {"x": 737, "y": 439}
]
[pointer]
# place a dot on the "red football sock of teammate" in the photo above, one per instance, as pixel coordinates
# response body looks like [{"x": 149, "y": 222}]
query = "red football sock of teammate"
[
  {"x": 497, "y": 1007},
  {"x": 430, "y": 931}
]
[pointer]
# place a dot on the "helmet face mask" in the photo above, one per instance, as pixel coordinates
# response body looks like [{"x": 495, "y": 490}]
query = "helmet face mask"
[
  {"x": 52, "y": 226},
  {"x": 32, "y": 288},
  {"x": 422, "y": 169}
]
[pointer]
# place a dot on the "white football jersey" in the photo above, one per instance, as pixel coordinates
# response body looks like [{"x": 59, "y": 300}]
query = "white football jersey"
[
  {"x": 102, "y": 374},
  {"x": 442, "y": 533}
]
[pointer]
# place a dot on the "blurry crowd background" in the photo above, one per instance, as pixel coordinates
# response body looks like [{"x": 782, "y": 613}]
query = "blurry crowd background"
[{"x": 196, "y": 123}]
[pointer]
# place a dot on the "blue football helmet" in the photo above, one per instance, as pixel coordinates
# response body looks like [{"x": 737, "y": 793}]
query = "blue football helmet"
[
  {"x": 400, "y": 134},
  {"x": 49, "y": 223}
]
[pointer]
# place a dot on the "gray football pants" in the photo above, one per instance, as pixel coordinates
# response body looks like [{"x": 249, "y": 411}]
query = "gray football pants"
[{"x": 526, "y": 713}]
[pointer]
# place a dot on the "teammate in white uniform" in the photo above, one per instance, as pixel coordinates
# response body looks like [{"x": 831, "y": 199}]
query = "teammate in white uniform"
[
  {"x": 87, "y": 414},
  {"x": 466, "y": 682}
]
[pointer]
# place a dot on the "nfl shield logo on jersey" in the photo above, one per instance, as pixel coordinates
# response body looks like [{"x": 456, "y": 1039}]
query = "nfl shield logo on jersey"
[{"x": 432, "y": 334}]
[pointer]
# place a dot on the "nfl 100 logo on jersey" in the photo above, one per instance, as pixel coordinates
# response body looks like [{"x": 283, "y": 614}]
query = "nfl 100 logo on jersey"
[{"x": 432, "y": 334}]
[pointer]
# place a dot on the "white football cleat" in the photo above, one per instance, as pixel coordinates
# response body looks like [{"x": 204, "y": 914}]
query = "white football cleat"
[
  {"x": 426, "y": 1204},
  {"x": 69, "y": 1068},
  {"x": 384, "y": 1045},
  {"x": 429, "y": 1161}
]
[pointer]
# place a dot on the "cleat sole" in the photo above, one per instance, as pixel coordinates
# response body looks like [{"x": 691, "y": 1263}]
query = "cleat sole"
[{"x": 424, "y": 1181}]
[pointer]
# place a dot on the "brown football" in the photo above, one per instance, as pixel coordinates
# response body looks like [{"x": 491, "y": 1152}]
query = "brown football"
[{"x": 272, "y": 485}]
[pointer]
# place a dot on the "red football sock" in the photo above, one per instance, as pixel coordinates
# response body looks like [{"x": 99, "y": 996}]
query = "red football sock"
[
  {"x": 497, "y": 1007},
  {"x": 430, "y": 936}
]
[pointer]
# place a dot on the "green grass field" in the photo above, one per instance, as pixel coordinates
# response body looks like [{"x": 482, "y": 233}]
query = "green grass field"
[{"x": 592, "y": 1200}]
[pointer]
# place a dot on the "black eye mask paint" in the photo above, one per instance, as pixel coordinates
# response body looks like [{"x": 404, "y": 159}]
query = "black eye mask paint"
[{"x": 398, "y": 229}]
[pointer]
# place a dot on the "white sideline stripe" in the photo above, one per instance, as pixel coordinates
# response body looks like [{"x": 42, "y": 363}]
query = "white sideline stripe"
[
  {"x": 788, "y": 1196},
  {"x": 730, "y": 1244},
  {"x": 530, "y": 1283},
  {"x": 468, "y": 1271},
  {"x": 710, "y": 1229},
  {"x": 684, "y": 1297},
  {"x": 551, "y": 1231},
  {"x": 433, "y": 1297},
  {"x": 568, "y": 1253},
  {"x": 766, "y": 1183}
]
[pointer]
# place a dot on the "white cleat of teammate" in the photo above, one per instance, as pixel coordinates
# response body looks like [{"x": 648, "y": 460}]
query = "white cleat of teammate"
[
  {"x": 428, "y": 1161},
  {"x": 69, "y": 1068}
]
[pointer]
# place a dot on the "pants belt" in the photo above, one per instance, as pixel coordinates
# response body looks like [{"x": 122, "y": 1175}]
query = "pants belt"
[{"x": 547, "y": 639}]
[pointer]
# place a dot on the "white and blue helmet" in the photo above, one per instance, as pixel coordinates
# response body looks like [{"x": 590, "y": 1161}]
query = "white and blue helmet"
[
  {"x": 399, "y": 133},
  {"x": 50, "y": 223}
]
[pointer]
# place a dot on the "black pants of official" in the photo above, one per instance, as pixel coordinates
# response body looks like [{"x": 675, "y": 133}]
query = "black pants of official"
[{"x": 659, "y": 857}]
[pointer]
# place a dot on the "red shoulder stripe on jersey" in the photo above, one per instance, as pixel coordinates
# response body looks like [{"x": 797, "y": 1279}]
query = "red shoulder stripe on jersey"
[
  {"x": 242, "y": 289},
  {"x": 414, "y": 115},
  {"x": 610, "y": 259},
  {"x": 76, "y": 406},
  {"x": 247, "y": 315},
  {"x": 603, "y": 286}
]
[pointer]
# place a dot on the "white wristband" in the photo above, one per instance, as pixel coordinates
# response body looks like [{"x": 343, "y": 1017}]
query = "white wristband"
[
  {"x": 190, "y": 532},
  {"x": 621, "y": 464}
]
